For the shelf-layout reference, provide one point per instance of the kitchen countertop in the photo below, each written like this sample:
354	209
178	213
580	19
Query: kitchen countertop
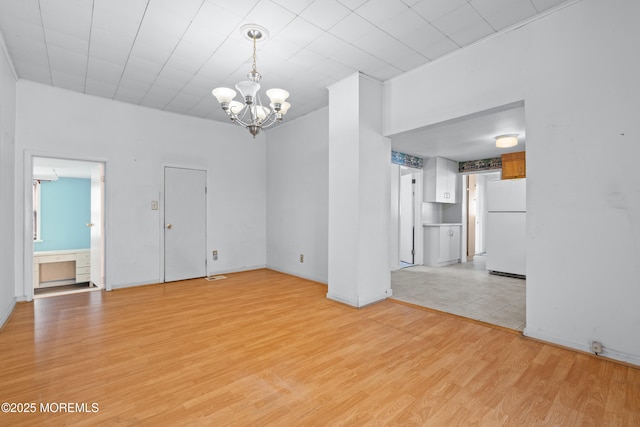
441	224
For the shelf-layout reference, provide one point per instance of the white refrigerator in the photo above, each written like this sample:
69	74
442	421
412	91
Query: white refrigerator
506	226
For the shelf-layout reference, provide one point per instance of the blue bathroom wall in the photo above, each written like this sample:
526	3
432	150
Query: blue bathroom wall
65	210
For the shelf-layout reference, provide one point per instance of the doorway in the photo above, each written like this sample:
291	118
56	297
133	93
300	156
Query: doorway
407	217
68	226
406	228
476	185
467	289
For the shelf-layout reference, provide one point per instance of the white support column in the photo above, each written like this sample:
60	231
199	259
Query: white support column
359	193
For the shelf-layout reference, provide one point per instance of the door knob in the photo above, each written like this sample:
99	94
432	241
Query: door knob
169	226
89	224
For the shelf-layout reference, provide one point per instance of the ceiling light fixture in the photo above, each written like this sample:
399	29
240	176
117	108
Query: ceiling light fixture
251	114
506	141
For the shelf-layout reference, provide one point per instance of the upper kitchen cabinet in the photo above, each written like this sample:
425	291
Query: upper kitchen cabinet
440	176
514	165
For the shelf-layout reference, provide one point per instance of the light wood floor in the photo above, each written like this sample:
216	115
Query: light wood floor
263	348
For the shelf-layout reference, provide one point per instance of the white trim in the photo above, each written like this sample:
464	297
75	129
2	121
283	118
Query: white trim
585	347
7	314
37	186
5	50
357	303
343	300
238	269
136	284
28	249
296	274
159	280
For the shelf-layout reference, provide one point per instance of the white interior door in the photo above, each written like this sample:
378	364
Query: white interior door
97	225
406	218
185	248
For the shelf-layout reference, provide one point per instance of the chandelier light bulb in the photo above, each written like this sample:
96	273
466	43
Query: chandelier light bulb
248	89
277	96
284	108
224	94
261	112
235	107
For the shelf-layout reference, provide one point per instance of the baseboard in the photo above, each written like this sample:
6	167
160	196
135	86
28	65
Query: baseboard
134	284
357	303
4	316
160	280
607	353
341	299
296	274
237	270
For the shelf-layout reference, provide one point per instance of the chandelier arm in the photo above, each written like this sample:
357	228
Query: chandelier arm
269	120
240	121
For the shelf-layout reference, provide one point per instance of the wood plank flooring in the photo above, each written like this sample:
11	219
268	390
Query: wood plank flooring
265	348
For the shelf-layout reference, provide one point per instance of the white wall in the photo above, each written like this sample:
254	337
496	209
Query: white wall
7	149
136	142
297	196
374	196
394	217
576	70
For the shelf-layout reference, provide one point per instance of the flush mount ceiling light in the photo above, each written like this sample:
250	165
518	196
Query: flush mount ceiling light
506	141
251	114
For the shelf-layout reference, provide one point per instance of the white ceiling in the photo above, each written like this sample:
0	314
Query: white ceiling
466	138
170	54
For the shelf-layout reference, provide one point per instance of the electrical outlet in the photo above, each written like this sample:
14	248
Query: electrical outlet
596	347
215	255
301	258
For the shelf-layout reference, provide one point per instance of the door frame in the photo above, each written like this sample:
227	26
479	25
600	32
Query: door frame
402	217
161	217
27	254
418	235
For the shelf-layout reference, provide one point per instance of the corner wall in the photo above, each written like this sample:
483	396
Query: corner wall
136	143
576	70
298	196
7	152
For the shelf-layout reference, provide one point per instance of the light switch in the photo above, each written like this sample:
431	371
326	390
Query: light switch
154	205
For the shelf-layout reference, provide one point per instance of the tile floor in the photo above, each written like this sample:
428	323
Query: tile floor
465	289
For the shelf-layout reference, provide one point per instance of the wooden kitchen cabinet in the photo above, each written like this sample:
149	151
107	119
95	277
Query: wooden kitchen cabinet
440	176
514	165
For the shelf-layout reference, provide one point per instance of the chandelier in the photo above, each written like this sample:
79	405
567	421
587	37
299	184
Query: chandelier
251	114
